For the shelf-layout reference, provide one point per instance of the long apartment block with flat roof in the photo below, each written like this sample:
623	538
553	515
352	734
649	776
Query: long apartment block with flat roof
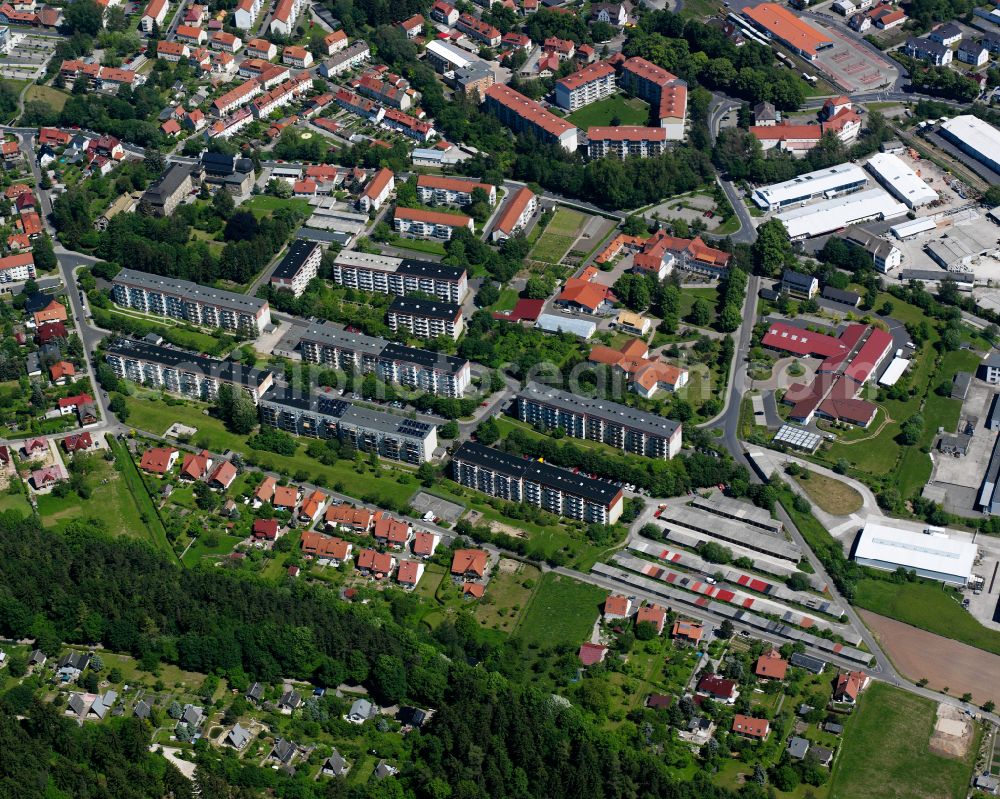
400	276
183	372
611	423
324	415
425	318
515	479
181	299
298	267
393	363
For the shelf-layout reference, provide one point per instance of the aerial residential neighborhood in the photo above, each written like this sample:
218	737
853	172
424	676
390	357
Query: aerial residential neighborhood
527	399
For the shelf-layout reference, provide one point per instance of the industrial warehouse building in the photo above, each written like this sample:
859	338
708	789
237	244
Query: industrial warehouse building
840	212
975	137
901	181
823	184
934	556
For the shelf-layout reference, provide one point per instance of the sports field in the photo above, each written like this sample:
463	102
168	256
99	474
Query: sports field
558	237
886	752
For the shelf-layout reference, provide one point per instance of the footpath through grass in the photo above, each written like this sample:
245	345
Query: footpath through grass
928	606
830	495
563	611
885	753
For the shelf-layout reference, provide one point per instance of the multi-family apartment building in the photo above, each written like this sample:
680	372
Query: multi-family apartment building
425	318
517	479
666	93
246	13
281	95
362	106
200	305
481	31
443	190
17	267
182	372
626	141
262	49
155	13
286	12
234	98
377	191
419	129
421	224
588	85
385	88
298	267
528	116
515	215
433	372
611	423
325	415
385	274
346	59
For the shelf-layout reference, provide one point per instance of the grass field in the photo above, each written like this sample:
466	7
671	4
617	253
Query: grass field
507	597
929	607
150	527
420	245
830	495
558	237
264	205
885	752
155	416
47	94
562	611
688	297
16	502
628	110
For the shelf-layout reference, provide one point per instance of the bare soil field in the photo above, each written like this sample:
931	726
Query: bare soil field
942	662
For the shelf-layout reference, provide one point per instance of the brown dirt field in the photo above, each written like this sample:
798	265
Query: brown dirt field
917	654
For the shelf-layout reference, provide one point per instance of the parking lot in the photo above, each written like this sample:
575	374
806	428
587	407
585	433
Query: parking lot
27	56
852	65
424	503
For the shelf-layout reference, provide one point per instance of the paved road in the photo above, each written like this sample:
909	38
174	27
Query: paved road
747	233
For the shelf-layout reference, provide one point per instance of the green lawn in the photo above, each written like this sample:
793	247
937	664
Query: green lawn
885	752
155	416
16	502
833	496
562	611
628	110
507	598
199	551
420	245
928	606
264	205
688	297
508	299
150	526
47	94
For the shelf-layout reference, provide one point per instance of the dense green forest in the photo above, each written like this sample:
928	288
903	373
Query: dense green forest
494	733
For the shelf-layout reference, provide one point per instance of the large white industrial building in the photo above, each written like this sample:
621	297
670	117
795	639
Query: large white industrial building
840	212
821	184
901	181
934	556
975	137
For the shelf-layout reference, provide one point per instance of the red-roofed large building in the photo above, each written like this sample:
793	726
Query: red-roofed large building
419	129
516	214
14	268
155	12
481	31
528	116
666	93
563	49
413	26
237	97
172	51
286	12
246	13
626	141
849	361
587	85
444	190
326	547
778	23
378	190
646	376
158	460
421	224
